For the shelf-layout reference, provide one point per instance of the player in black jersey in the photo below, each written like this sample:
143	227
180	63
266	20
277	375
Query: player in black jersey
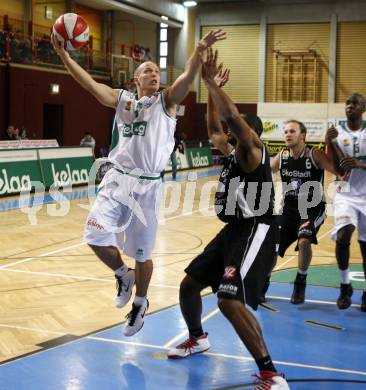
302	173
236	262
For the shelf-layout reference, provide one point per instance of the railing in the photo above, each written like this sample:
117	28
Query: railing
19	47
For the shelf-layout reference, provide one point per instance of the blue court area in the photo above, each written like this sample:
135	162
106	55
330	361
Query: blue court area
328	353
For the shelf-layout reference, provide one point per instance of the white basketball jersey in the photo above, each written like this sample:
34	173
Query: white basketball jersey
143	133
353	144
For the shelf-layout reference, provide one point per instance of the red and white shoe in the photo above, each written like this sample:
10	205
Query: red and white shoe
272	381
189	347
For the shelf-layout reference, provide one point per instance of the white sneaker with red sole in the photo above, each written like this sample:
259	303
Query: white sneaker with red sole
272	381
189	347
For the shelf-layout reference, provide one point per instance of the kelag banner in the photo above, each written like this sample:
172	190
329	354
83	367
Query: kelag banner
17	169
62	166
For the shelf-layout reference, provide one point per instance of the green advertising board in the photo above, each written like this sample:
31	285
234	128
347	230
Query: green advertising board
18	168
66	166
199	157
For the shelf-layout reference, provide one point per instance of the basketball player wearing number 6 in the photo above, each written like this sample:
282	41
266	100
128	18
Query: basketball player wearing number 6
348	143
124	215
302	174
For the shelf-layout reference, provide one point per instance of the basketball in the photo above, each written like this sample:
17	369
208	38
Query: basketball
73	29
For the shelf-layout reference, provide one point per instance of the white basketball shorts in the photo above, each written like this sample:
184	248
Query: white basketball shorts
348	209
125	214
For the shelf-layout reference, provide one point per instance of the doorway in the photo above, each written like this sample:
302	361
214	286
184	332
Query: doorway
53	122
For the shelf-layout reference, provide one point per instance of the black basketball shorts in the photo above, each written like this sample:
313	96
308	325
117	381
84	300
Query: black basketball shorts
292	227
235	264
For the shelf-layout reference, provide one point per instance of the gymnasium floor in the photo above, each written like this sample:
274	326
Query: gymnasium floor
60	330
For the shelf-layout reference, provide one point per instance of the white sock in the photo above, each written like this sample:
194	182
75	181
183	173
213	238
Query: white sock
345	276
121	270
138	301
302	272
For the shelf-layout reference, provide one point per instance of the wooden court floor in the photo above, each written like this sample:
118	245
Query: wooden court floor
52	285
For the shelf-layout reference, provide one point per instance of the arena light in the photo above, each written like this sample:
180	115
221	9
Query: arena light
55	89
189	3
164	17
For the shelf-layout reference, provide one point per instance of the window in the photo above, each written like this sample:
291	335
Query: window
163	47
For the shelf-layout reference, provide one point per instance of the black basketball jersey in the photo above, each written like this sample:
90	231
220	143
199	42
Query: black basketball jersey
243	195
296	172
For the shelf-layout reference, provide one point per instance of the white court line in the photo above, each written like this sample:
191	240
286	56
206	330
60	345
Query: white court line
43	255
79	277
294	256
84	243
152	346
185	333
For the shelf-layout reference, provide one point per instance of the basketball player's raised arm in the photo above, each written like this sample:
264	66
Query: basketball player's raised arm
178	91
227	109
323	161
214	125
103	93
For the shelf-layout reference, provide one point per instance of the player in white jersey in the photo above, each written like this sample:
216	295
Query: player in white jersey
124	215
348	144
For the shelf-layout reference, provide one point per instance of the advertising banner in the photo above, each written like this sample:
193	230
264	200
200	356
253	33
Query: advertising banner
181	162
18	168
66	166
199	157
29	144
275	147
273	129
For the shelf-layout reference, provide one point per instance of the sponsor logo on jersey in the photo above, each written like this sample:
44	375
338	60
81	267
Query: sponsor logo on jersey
346	142
135	128
286	172
296	184
229	273
128	105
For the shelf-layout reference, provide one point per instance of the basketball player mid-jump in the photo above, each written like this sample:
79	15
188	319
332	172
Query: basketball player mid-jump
124	214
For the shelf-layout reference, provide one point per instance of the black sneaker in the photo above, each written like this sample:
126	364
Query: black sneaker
298	295
344	299
363	301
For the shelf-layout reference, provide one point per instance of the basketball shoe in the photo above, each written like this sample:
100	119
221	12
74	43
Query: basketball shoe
344	300
135	319
124	285
298	295
189	347
269	380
